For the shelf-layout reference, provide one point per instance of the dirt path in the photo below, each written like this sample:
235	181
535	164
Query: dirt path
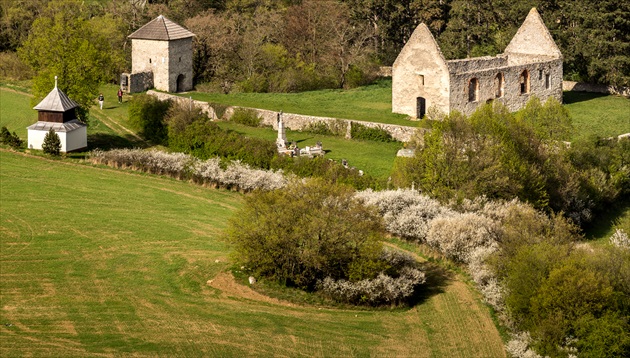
116	126
16	91
225	282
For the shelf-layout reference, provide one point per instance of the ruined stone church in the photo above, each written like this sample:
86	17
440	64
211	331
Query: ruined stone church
531	65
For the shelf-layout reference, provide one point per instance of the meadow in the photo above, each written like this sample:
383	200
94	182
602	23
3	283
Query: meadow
104	262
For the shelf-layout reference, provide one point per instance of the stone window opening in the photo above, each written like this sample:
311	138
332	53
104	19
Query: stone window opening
540	75
524	82
180	59
421	80
149	60
473	90
498	86
547	81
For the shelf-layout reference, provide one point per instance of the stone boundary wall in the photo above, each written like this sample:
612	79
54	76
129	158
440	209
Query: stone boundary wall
595	88
290	120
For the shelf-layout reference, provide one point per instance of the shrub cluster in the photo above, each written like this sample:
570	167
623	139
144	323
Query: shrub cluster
146	114
181	166
377	134
335	250
320	128
10	139
393	287
190	131
502	155
327	169
246	116
528	268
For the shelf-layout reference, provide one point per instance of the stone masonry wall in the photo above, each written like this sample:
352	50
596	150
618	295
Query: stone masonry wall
291	121
180	63
595	88
151	56
512	97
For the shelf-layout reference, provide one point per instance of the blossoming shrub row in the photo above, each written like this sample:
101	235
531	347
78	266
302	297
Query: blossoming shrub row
236	176
392	287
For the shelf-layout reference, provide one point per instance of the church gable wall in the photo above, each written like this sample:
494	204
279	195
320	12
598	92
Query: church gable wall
420	76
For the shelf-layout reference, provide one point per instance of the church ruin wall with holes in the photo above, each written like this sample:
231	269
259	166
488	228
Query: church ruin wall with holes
422	79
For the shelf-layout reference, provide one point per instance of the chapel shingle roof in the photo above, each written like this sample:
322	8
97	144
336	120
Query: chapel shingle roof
56	101
161	28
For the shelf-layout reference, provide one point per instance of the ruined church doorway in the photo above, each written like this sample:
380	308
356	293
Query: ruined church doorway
180	83
421	107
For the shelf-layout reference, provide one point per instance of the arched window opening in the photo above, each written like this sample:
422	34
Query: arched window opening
473	90
498	85
524	81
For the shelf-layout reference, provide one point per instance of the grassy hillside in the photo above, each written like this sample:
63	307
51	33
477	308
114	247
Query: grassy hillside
102	262
16	111
598	114
370	103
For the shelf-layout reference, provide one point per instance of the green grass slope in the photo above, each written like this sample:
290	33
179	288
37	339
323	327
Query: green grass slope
16	111
598	114
100	262
371	103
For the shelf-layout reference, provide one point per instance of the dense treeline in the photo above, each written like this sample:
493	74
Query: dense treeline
296	45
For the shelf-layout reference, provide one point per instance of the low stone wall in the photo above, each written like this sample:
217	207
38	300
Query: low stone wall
204	106
291	120
595	88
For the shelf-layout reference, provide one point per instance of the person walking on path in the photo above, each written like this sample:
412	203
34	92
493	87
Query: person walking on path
120	94
101	99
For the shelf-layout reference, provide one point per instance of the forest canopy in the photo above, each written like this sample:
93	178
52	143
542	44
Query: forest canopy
296	45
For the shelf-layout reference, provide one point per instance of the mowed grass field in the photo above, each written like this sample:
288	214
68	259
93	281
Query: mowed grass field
102	262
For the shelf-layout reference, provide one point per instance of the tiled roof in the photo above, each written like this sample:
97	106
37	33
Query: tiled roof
58	127
56	101
161	28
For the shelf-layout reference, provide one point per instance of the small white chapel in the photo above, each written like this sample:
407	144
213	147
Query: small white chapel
56	111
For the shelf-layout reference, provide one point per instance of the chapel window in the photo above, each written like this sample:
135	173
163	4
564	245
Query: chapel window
498	85
547	81
524	82
421	80
473	90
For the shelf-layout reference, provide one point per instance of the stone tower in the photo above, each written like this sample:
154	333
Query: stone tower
531	65
161	57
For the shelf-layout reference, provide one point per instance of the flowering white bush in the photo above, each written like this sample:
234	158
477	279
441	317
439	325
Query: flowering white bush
379	291
459	235
518	346
183	166
382	290
406	213
620	239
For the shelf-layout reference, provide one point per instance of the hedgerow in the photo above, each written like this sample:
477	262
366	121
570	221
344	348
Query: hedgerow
362	132
236	176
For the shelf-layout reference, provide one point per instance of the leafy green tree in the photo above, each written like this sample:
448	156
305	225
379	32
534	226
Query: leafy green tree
305	233
62	43
52	143
147	113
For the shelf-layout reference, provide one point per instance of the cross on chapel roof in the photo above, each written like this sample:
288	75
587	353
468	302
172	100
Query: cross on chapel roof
161	28
56	101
